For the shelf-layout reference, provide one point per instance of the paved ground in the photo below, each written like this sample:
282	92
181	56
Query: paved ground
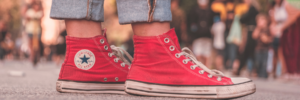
39	84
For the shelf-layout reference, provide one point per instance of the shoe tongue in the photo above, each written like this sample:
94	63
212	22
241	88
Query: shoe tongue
104	32
172	34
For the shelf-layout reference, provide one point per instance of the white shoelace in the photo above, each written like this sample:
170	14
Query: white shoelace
191	57
118	52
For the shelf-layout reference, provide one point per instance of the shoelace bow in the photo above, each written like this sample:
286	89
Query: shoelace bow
117	51
191	57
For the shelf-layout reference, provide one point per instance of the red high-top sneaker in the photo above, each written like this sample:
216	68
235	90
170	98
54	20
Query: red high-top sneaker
160	68
91	66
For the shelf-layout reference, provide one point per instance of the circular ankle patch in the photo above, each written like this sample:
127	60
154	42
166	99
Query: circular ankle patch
84	59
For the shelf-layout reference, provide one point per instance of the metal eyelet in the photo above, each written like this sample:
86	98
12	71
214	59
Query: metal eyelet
116	60
123	64
105	47
105	79
201	71
167	40
210	76
172	48
116	78
219	79
177	55
184	61
102	41
193	68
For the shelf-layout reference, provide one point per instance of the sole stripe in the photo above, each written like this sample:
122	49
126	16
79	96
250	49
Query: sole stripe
188	85
92	89
167	92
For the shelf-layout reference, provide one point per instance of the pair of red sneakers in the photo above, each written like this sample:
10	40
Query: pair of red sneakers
159	68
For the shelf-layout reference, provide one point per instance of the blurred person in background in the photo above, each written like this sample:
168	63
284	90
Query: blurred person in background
285	25
3	32
234	40
178	21
218	30
200	21
33	29
9	46
60	48
278	15
226	10
249	19
263	38
230	13
6	43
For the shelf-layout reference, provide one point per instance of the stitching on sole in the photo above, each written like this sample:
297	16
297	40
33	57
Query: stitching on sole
92	82
167	92
92	89
184	85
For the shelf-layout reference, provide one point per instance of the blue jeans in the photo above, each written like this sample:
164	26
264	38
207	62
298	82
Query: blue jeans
2	53
129	11
261	58
230	55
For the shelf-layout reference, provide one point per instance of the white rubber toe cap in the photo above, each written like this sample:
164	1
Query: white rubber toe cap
239	80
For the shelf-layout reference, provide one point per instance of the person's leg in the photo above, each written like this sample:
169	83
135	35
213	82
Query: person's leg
219	62
264	63
275	62
258	63
91	64
248	52
160	63
226	56
83	28
232	54
150	29
243	59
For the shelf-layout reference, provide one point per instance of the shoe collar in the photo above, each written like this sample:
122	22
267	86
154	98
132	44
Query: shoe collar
170	34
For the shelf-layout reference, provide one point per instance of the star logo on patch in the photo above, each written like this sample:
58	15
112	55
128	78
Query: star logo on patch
84	59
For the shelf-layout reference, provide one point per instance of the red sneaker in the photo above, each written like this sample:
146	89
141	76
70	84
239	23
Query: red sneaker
91	66
160	68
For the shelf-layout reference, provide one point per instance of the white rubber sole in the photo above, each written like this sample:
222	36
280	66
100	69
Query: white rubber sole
205	92
82	87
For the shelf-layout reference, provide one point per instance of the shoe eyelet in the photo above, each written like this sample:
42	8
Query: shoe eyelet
172	48
105	79
116	78
184	61
210	76
116	60
123	64
193	68
105	47
177	55
109	55
102	41
219	79
167	40
201	71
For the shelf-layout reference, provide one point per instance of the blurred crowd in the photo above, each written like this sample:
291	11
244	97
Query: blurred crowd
256	38
231	34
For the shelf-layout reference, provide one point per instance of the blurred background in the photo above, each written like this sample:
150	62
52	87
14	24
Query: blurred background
259	39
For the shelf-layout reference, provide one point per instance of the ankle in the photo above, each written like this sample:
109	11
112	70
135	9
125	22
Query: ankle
83	28
150	29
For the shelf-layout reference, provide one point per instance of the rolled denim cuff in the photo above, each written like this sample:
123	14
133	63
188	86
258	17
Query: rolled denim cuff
134	11
78	9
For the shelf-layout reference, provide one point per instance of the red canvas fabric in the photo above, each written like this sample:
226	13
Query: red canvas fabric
154	62
104	66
